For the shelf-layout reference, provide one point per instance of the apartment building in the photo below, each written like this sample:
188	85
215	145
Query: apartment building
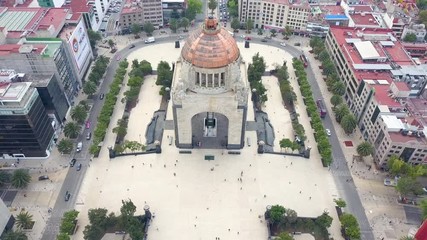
370	62
140	12
26	130
42	59
419	30
269	14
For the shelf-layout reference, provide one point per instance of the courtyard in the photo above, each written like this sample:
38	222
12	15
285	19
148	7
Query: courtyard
196	199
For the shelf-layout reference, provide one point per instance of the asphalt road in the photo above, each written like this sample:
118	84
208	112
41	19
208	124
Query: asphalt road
73	180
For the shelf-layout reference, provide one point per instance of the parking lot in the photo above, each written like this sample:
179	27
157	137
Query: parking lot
111	19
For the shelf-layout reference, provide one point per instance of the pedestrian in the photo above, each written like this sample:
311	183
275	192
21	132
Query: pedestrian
151	165
241	174
225	180
291	163
164	165
228	229
310	198
300	192
174	174
265	196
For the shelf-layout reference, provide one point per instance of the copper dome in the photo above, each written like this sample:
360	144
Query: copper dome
210	47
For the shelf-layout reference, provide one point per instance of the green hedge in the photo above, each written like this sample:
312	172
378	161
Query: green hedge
108	108
320	135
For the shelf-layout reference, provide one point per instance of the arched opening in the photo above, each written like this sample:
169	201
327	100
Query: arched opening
209	130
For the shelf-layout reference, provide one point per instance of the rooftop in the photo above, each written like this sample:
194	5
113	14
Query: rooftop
383	98
362	8
398	137
20	20
364	19
7	49
78	6
295	3
131	6
386	46
417	107
13	92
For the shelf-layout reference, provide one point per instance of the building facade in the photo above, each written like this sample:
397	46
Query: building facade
210	91
268	14
6	218
140	12
419	30
26	130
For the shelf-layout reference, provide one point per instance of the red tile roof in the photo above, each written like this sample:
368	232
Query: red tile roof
367	20
382	96
78	6
362	8
402	86
332	9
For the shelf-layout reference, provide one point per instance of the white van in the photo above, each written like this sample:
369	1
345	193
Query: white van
79	146
150	40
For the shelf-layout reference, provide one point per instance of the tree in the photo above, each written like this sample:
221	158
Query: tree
406	238
423	206
410	37
111	43
212	5
395	165
5	177
164	74
148	28
349	123
341	111
324	220
422	15
65	146
185	22
174	25
365	149
336	100
285	143
14	235
408	185
340	203
63	236
249	25
136	29
193	7
285	236
338	88
89	88
68	222
235	24
121	129
72	130
276	214
233	8
24	220
273	32
287	31
20	178
93	37
79	114
350	225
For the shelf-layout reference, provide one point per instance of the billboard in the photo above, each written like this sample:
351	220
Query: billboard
80	46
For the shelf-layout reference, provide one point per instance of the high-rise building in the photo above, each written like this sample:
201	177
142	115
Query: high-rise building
268	14
140	12
25	128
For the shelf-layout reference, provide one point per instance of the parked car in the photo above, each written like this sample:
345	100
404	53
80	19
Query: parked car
72	162
328	132
88	135
297	44
79	167
118	58
79	146
87	124
101	96
67	196
264	40
44	177
248	38
132	46
391	182
283	44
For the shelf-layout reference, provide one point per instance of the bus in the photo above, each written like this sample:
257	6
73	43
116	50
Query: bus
304	60
321	107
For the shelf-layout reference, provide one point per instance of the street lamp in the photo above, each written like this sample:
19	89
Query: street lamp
167	89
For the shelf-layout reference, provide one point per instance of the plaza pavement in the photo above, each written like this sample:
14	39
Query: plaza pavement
205	199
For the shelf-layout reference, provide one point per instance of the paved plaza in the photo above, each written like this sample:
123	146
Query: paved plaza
205	199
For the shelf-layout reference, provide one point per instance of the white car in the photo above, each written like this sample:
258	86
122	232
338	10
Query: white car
283	44
328	132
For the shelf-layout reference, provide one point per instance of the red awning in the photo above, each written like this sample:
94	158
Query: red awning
422	232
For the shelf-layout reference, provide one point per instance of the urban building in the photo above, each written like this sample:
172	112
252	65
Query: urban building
397	27
140	12
50	3
419	30
170	6
269	14
374	67
80	10
26	130
416	50
6	218
36	58
19	22
210	91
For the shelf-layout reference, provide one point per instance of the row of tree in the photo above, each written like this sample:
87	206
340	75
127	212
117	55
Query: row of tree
95	76
342	113
68	225
100	222
320	135
255	71
164	76
349	223
72	130
108	108
136	79
289	97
